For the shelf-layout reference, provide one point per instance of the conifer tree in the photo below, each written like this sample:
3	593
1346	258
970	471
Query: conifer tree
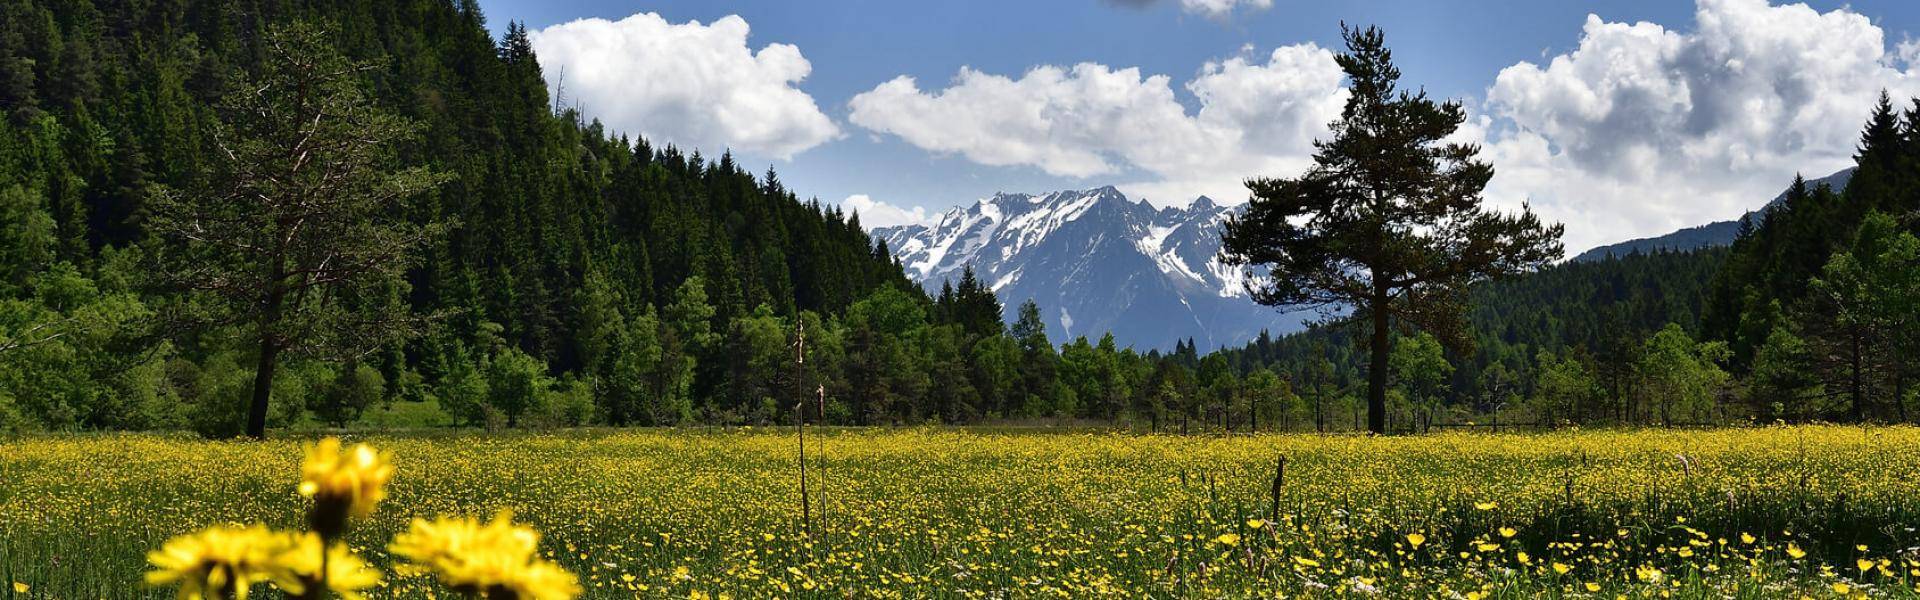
1388	221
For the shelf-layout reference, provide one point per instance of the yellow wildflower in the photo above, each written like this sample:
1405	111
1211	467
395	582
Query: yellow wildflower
1416	539
357	478
1228	539
469	556
219	562
347	574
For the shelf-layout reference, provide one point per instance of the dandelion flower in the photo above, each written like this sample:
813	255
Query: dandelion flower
356	479
219	562
471	557
347	574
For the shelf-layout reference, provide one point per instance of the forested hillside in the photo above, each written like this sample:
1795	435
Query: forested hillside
561	234
1597	313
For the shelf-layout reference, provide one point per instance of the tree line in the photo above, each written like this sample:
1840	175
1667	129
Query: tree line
464	252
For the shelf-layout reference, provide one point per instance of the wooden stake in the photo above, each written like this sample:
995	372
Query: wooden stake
1279	481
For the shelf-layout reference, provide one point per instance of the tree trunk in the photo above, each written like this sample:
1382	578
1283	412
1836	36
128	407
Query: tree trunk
1377	370
1900	392
262	387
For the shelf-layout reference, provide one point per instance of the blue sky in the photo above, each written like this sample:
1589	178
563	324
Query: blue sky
1582	143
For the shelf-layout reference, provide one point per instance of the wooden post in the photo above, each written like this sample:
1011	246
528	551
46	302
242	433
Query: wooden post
800	418
800	422
1279	481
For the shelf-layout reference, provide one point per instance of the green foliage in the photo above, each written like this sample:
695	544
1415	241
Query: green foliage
517	384
354	389
1421	370
1681	378
1566	387
1784	384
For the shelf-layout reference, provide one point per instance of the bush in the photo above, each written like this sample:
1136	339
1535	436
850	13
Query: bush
351	391
569	404
517	384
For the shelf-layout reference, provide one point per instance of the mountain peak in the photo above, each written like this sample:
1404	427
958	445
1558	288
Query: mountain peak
1096	260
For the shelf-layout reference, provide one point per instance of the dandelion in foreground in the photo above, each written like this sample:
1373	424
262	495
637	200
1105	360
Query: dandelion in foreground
346	574
496	560
223	561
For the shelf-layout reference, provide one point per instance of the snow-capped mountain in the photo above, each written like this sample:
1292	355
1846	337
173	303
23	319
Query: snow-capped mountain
1096	261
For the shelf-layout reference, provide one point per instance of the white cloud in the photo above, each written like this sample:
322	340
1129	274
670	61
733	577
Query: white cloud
1255	117
1642	129
1222	9
875	214
688	84
1218	10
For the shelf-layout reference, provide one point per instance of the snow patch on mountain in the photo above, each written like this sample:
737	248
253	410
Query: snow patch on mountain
1098	262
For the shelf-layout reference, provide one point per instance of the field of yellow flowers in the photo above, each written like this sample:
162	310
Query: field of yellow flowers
1819	511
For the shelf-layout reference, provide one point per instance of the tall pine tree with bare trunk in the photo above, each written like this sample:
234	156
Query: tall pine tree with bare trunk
1387	226
299	238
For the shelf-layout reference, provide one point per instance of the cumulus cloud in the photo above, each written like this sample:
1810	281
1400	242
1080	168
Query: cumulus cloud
1255	116
688	84
875	214
1643	129
1222	9
1212	9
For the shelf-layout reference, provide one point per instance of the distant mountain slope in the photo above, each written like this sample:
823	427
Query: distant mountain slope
1096	262
1719	233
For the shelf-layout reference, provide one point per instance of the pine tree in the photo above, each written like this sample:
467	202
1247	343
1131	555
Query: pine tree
1388	220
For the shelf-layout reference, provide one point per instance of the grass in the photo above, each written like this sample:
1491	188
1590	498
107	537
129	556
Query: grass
1825	511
